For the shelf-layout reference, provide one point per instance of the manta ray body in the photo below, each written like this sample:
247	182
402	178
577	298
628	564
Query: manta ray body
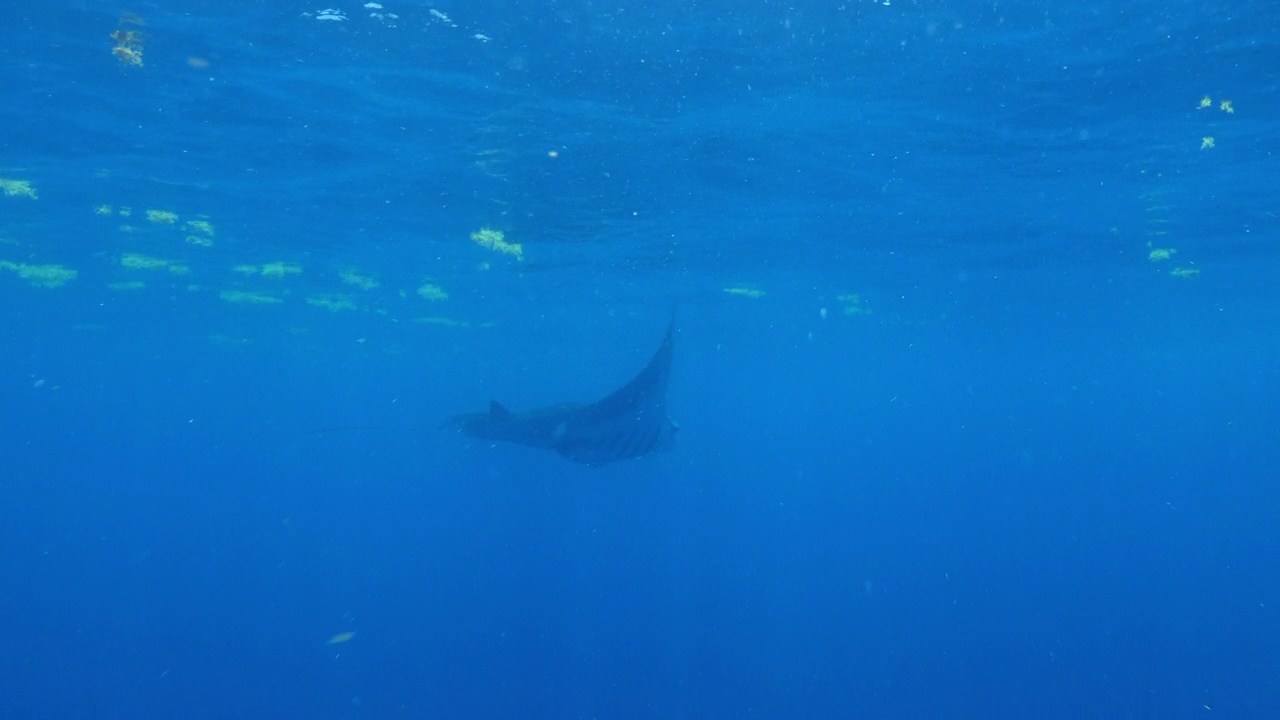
630	422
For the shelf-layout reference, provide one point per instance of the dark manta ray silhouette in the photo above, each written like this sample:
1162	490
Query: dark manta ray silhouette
630	422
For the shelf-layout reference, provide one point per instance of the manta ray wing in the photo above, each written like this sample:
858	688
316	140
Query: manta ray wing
630	422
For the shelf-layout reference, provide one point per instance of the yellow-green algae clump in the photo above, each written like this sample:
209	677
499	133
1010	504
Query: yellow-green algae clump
434	293
364	282
135	261
202	233
443	321
18	188
248	298
162	217
852	305
271	269
45	276
332	303
495	240
280	269
745	292
201	226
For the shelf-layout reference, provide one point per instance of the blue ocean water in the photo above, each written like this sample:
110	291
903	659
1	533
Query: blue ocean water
976	359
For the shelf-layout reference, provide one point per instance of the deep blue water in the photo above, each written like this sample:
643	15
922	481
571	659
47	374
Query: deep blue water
1031	473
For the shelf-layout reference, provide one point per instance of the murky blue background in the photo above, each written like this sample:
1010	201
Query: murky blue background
976	362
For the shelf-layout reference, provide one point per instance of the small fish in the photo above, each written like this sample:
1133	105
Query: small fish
340	638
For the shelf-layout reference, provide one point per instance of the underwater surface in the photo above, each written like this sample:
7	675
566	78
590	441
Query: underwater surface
974	363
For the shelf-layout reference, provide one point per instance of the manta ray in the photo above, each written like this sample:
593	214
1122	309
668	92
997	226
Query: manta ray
628	423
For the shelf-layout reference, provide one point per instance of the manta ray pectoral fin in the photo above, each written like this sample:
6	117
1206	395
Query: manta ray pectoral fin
630	422
497	411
